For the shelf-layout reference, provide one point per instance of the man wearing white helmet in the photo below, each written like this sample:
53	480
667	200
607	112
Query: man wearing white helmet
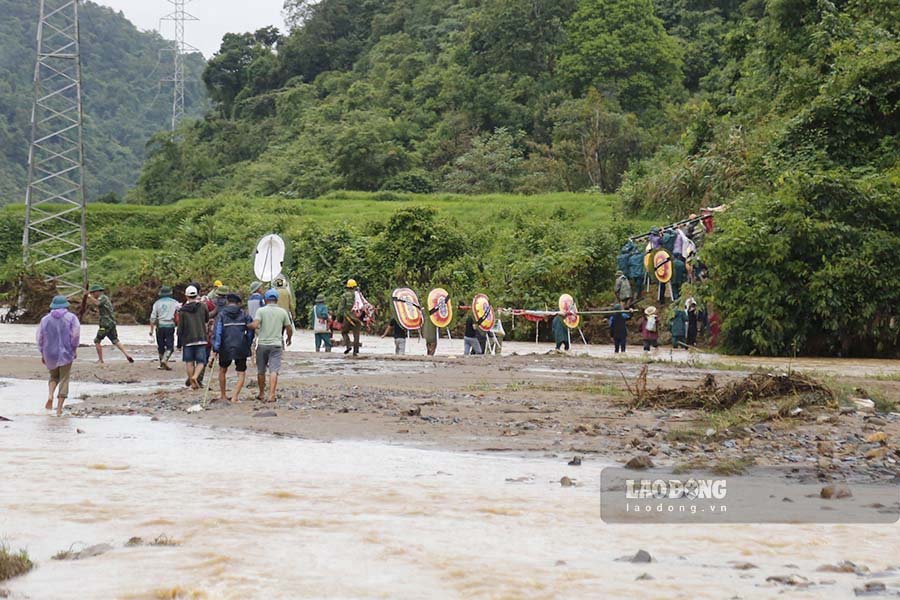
192	336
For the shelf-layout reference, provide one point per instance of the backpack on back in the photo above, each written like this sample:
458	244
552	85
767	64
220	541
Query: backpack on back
651	323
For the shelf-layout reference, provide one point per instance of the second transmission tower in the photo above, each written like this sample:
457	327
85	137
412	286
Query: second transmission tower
180	49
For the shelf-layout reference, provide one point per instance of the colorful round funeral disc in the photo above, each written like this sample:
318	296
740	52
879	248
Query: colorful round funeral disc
662	263
569	309
439	308
483	313
406	308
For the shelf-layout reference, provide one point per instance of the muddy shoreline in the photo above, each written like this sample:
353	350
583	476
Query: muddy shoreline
552	405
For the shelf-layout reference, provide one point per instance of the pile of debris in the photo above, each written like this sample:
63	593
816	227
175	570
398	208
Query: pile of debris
709	396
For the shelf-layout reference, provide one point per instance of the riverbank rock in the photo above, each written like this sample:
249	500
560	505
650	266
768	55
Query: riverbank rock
791	580
641	556
575	462
566	482
835	492
844	567
639	463
265	414
873	588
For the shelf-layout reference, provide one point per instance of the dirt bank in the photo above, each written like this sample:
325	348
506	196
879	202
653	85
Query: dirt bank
556	405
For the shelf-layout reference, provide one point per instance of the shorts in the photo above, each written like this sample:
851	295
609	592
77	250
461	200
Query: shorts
195	354
268	358
240	364
107	332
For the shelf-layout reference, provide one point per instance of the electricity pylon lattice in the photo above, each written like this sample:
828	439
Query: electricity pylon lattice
180	48
54	240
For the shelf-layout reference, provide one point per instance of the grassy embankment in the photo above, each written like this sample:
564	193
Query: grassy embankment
522	249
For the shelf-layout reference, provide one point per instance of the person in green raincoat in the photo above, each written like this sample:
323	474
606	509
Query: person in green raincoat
560	331
679	275
678	327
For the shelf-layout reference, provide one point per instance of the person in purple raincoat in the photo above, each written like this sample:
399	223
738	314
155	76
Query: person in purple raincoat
57	339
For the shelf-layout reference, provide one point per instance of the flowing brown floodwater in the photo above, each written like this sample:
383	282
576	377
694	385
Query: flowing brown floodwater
263	517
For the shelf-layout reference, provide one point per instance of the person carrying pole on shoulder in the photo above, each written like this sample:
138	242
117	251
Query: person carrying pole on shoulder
97	297
162	322
618	328
560	331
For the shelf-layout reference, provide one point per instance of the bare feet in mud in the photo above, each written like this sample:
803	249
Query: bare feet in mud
49	405
195	385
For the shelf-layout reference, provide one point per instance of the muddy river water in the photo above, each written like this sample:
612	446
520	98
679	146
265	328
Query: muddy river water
262	517
258	516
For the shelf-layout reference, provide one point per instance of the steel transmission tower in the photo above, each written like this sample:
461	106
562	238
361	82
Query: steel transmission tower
55	241
179	17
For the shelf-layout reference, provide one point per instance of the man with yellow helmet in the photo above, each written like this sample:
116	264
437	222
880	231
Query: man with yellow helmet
350	320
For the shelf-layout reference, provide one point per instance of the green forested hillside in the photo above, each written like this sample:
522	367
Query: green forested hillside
786	110
124	103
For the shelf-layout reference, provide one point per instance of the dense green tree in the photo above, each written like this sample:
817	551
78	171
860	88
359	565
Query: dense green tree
245	63
621	48
810	269
492	164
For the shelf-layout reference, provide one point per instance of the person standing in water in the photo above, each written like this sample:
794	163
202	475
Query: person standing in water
162	322
57	340
98	298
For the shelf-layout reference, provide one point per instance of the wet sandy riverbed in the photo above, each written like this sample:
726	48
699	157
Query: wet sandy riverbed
375	502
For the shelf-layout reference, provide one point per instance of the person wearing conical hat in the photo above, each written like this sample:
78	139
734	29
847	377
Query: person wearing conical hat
650	329
57	340
97	297
162	323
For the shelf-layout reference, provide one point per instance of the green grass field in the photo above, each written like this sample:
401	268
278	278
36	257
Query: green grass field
525	248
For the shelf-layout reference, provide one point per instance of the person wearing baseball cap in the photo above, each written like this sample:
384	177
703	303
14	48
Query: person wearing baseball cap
192	336
274	331
162	323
